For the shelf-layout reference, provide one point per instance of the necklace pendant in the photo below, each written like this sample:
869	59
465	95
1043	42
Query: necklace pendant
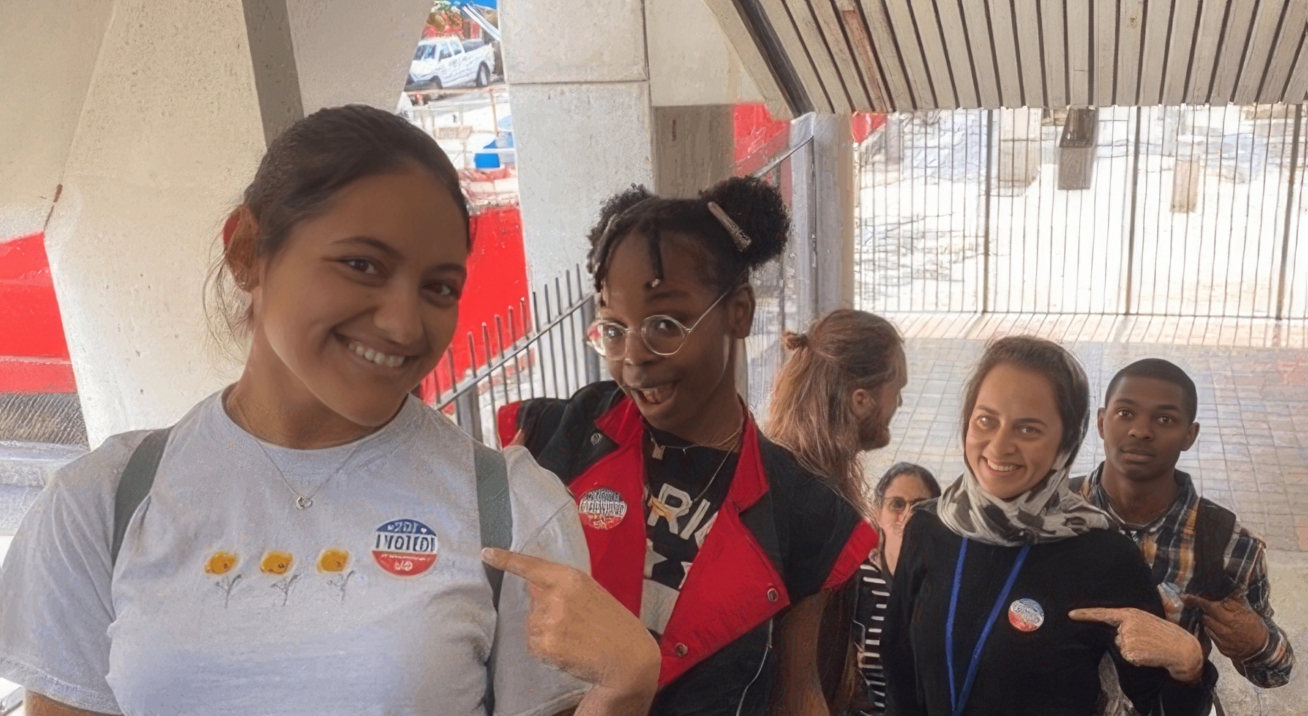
658	451
303	503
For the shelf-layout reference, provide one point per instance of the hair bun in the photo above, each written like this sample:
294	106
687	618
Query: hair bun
794	341
759	210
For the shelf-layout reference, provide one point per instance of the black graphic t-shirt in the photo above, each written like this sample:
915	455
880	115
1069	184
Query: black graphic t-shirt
682	498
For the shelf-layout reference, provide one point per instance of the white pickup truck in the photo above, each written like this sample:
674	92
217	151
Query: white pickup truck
442	62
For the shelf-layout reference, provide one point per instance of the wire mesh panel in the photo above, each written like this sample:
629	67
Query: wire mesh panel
922	212
1169	211
778	286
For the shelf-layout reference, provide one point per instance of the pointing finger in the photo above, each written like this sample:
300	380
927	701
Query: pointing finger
536	571
1200	603
1115	617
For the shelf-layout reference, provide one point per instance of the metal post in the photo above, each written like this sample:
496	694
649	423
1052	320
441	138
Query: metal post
990	171
592	358
1289	208
1135	185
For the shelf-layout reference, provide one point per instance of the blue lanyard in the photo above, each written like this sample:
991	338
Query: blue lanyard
957	701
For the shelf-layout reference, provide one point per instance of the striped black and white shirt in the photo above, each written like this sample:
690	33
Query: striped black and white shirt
869	619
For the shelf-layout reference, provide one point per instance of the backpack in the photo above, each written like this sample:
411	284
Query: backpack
492	505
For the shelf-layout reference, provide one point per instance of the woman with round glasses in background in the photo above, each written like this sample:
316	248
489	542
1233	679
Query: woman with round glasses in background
717	538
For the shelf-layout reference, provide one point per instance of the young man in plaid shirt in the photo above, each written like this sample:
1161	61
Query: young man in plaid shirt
1211	570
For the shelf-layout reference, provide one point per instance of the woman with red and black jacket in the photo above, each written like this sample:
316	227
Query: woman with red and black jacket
717	538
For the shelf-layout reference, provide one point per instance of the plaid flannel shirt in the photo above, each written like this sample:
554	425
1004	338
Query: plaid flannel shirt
1167	544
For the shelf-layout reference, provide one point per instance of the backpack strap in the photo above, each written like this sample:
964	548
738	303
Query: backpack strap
1076	484
1214	527
135	484
496	516
493	508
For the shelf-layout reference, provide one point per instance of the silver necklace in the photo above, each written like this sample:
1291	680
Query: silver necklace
302	502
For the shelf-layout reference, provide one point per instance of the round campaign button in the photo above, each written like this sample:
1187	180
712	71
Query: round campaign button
405	548
1026	615
601	509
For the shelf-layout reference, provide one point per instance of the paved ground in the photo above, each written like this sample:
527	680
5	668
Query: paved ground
1252	452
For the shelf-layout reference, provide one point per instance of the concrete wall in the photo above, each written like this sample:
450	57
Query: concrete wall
169	136
48	51
354	52
690	61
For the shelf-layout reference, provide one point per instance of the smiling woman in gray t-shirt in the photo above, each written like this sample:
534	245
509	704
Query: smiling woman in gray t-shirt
311	542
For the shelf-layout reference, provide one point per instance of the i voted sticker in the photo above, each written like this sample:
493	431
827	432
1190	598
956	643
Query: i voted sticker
405	548
1026	615
601	509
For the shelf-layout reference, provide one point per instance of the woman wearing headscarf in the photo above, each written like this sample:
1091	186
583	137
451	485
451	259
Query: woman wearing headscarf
1010	589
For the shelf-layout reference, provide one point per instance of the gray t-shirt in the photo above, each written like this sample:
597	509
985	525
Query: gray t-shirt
227	599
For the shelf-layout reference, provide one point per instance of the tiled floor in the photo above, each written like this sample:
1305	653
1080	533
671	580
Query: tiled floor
1252	452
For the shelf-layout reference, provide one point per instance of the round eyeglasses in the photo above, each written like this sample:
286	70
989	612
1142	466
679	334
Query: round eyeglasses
663	335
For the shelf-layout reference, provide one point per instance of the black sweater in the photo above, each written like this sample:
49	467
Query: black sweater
1053	670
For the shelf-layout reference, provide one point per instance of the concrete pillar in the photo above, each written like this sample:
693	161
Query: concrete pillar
47	54
1019	149
836	206
582	118
146	120
610	93
693	148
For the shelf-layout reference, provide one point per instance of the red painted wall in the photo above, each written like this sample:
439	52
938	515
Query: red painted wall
33	354
497	282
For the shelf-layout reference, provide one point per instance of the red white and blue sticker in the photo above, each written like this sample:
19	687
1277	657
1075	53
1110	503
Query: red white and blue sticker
601	509
405	548
1026	615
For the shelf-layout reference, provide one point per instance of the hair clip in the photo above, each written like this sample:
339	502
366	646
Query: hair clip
738	236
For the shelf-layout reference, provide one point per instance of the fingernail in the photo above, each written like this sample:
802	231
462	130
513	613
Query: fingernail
486	554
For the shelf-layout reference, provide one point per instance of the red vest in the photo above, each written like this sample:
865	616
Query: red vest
732	586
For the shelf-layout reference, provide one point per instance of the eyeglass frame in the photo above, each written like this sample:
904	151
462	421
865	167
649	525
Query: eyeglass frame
886	503
626	330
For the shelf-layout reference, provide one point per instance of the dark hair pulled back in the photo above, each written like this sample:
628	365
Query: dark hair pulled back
302	172
1057	365
755	206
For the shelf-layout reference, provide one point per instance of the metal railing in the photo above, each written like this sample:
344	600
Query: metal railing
549	360
1153	211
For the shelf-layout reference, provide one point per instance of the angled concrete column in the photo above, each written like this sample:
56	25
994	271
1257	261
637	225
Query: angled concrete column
147	135
170	132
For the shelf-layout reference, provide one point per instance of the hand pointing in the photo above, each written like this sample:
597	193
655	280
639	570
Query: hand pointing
1146	640
577	626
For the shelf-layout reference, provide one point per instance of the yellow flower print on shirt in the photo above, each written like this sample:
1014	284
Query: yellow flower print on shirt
220	563
333	560
275	562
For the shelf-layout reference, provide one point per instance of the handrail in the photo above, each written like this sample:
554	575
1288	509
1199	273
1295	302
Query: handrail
526	342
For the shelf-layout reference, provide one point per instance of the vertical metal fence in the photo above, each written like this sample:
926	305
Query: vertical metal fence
552	358
1157	211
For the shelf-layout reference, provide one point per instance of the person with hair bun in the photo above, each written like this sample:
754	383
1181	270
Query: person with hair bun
1010	588
834	399
311	539
722	541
